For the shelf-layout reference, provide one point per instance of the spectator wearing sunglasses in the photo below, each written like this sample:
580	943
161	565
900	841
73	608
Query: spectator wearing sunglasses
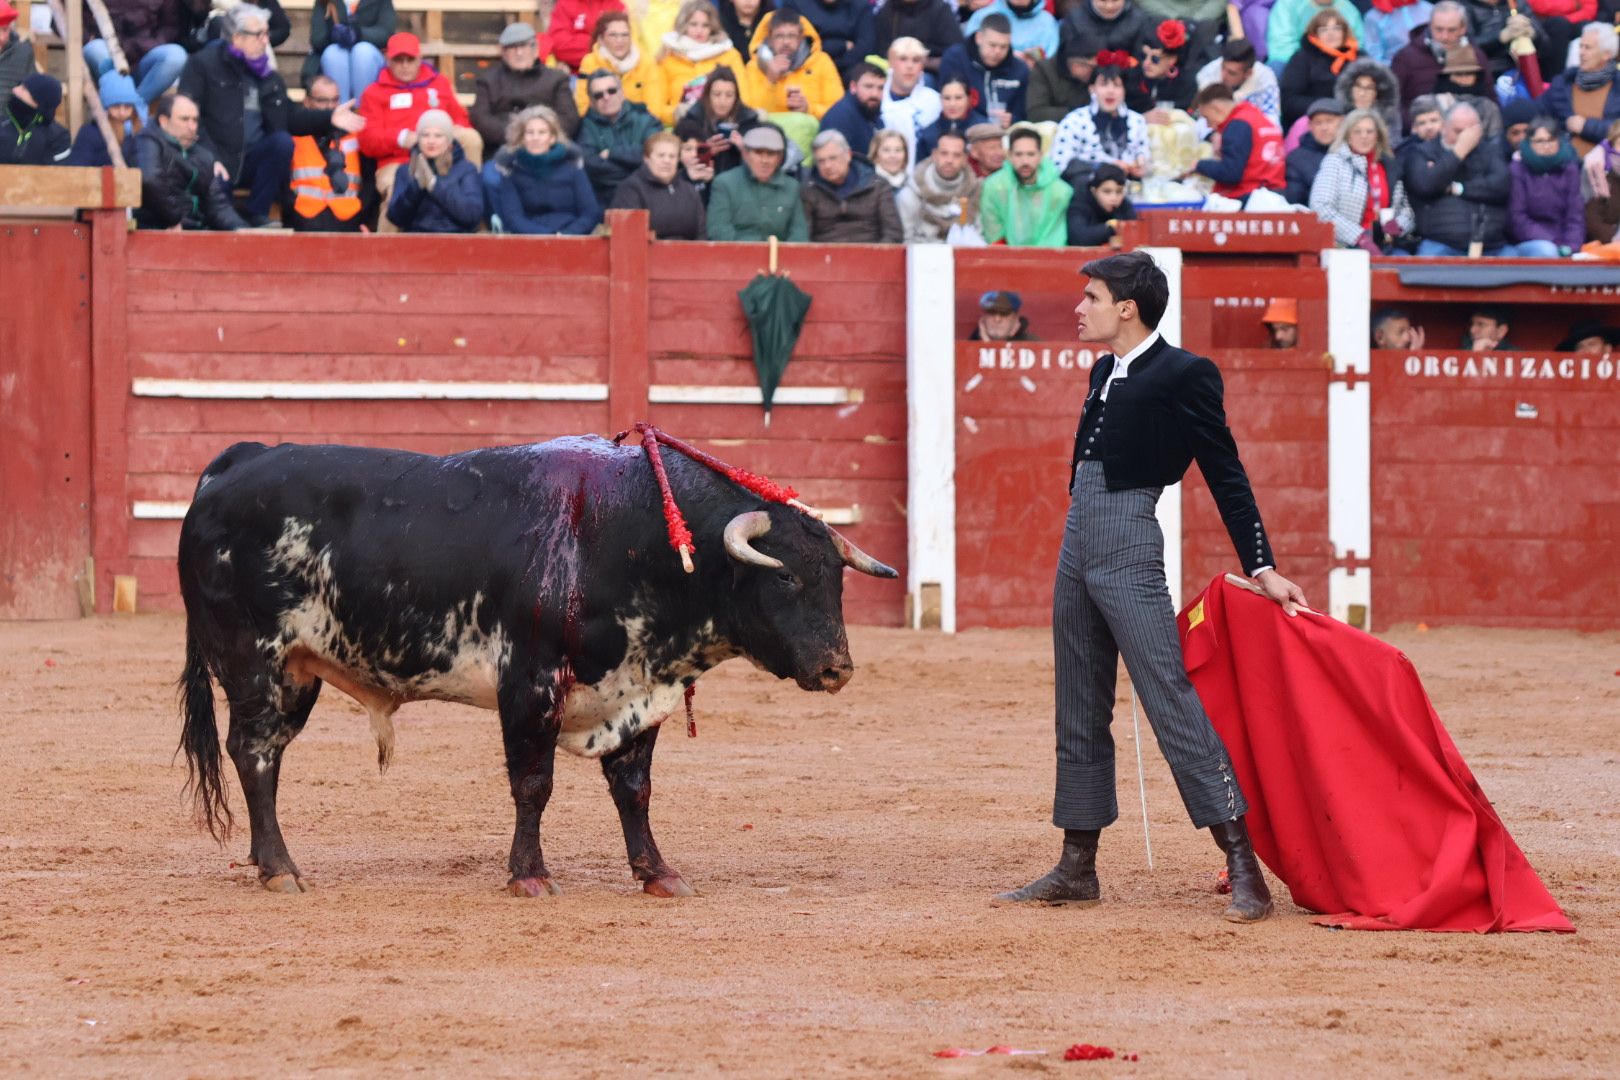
612	135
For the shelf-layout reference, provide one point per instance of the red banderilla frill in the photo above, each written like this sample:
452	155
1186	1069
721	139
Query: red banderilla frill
680	537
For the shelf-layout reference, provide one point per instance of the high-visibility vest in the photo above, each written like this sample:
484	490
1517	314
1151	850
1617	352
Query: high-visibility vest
312	188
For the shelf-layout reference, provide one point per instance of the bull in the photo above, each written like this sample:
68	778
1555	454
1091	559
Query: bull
533	580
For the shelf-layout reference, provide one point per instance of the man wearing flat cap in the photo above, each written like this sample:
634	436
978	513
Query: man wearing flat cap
999	318
757	201
519	80
1305	160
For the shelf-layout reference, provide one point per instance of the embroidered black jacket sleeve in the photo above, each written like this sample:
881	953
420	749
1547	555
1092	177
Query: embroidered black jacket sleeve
1203	415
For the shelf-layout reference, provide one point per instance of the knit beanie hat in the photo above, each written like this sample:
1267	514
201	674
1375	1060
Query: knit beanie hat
116	89
438	120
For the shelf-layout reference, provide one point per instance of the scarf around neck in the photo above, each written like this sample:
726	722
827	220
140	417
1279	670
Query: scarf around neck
260	67
539	166
1540	164
1593	80
695	51
1341	56
631	61
942	199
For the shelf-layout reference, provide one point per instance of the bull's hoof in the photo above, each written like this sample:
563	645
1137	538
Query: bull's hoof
533	886
668	886
285	883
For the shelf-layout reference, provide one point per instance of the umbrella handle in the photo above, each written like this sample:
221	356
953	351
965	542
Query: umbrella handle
773	243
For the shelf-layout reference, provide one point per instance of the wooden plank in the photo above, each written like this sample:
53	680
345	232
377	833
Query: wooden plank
349	257
792	421
438	334
331	390
470	7
28	187
362	366
674	260
879	302
296	420
628	368
109	320
303	291
699	336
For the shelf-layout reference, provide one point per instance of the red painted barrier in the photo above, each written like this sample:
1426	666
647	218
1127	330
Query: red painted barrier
45	461
616	312
1496	488
1494	498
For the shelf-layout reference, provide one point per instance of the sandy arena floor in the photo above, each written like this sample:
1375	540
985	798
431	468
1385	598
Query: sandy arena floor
846	849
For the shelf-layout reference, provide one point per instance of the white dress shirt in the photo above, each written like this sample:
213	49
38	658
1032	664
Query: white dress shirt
1122	364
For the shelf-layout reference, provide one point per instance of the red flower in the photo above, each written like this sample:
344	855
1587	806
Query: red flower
1172	34
1115	58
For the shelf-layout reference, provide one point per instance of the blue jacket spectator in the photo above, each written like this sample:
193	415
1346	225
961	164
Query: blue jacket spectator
986	62
437	192
847	29
858	115
1594	73
957	114
121	100
547	193
1033	27
1387	32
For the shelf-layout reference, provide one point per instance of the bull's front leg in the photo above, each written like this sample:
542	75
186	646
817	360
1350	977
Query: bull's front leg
530	720
629	776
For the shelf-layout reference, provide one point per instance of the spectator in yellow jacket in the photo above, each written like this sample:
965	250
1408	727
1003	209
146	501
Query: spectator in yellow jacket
614	48
652	19
694	48
787	71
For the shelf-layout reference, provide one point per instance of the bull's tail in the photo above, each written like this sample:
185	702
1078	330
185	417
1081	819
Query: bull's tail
199	739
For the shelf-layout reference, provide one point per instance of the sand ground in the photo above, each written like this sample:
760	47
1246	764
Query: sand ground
845	848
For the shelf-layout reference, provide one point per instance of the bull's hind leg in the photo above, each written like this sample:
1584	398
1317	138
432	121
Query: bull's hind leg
259	735
629	776
530	721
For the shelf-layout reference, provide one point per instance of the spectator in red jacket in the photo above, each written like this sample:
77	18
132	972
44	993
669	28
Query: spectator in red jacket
573	25
393	104
1251	145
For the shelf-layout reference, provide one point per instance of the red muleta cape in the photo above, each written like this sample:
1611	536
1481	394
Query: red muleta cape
1358	800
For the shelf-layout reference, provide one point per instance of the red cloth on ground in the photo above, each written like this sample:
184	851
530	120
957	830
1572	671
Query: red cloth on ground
1358	799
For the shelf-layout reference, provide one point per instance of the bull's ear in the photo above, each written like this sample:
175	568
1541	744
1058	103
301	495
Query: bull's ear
856	559
743	528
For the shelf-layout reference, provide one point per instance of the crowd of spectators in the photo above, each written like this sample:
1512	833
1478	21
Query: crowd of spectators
1461	127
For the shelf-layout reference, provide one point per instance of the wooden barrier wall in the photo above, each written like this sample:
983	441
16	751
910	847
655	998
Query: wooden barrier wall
440	344
1496	488
1495	496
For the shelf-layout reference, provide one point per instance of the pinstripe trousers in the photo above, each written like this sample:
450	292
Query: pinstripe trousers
1112	600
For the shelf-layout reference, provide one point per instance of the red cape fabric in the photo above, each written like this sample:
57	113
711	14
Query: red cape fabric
1358	800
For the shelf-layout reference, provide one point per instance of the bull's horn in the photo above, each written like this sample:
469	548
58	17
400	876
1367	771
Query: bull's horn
856	559
743	528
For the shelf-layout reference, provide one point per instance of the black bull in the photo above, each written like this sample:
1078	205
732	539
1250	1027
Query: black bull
535	580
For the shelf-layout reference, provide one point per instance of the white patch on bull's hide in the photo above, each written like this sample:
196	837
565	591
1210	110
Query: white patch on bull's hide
223	555
471	658
600	718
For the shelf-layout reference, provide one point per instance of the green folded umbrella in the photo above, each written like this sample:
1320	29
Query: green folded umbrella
775	308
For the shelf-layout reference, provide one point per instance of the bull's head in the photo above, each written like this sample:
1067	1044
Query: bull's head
789	595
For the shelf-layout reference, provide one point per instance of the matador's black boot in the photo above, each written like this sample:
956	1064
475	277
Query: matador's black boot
1251	900
1073	881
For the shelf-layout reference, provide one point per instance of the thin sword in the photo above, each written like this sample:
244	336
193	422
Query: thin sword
1141	778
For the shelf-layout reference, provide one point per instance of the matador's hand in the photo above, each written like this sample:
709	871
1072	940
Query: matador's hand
1280	589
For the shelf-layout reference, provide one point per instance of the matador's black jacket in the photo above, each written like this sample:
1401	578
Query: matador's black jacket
1157	420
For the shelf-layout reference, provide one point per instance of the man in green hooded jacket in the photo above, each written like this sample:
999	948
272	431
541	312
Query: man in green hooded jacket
1025	203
